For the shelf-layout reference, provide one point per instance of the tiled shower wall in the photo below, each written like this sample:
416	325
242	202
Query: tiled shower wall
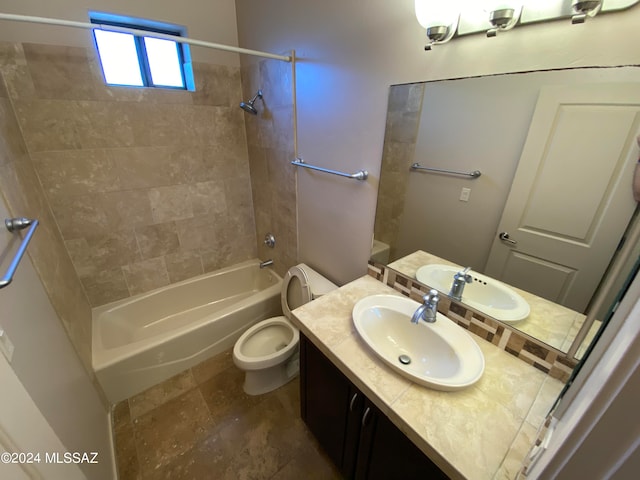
147	186
271	150
21	189
401	134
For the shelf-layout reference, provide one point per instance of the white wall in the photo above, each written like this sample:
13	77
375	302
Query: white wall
349	53
209	20
47	365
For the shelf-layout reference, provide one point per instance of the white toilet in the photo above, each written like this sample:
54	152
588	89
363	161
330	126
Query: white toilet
268	351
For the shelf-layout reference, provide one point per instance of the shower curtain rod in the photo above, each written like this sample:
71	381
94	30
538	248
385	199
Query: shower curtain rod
113	28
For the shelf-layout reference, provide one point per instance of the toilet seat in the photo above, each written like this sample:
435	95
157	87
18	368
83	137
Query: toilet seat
300	285
295	290
248	361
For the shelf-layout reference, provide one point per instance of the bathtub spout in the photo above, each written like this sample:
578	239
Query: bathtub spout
266	263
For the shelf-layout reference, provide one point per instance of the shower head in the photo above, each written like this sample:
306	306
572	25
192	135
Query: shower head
248	106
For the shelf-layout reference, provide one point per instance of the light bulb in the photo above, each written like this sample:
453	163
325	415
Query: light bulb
493	5
437	13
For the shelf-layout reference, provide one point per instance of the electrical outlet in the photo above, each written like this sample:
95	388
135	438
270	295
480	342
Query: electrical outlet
464	194
6	346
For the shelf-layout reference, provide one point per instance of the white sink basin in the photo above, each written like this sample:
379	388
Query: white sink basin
484	294
440	355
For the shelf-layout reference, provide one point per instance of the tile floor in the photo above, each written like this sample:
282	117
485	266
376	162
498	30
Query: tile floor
200	425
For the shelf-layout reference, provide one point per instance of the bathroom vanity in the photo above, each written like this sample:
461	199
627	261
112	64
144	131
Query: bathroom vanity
480	432
360	440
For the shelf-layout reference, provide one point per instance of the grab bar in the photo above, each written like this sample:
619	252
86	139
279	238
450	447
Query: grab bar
359	175
474	174
15	224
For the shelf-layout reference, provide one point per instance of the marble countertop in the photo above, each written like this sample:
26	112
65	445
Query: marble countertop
549	322
482	432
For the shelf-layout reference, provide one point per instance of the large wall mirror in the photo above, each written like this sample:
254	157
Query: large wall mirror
553	205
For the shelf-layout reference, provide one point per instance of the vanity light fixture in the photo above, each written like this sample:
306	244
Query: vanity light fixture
446	19
582	8
440	18
503	15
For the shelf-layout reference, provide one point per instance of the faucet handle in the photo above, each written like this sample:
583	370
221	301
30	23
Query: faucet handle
464	275
432	297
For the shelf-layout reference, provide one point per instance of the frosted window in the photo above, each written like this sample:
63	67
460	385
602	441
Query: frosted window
164	62
119	58
140	59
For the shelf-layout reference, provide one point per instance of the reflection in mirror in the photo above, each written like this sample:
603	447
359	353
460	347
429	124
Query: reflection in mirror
557	151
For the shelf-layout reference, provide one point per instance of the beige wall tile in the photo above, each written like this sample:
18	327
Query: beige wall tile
3	89
127	208
63	125
11	53
217	85
60	72
170	203
238	192
221	253
157	240
103	124
183	265
92	254
105	286
208	197
48	124
226	128
223	161
201	232
406	98
146	275
18	82
145	167
160	124
81	215
76	172
11	145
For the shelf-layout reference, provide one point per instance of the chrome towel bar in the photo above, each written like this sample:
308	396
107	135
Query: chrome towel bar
13	225
474	174
359	175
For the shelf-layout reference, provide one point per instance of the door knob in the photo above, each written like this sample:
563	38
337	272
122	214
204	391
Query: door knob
504	236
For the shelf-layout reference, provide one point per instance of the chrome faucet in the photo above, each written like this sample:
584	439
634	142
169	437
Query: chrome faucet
266	263
460	279
428	310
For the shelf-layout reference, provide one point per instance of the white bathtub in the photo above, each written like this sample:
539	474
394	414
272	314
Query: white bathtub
143	340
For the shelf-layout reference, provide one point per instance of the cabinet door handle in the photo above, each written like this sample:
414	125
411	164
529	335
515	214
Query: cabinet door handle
365	416
353	401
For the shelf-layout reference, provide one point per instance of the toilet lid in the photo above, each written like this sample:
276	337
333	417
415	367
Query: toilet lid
296	290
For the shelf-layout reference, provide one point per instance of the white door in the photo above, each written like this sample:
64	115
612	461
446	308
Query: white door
571	198
29	447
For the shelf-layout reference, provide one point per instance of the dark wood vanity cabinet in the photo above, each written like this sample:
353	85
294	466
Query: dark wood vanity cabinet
362	442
